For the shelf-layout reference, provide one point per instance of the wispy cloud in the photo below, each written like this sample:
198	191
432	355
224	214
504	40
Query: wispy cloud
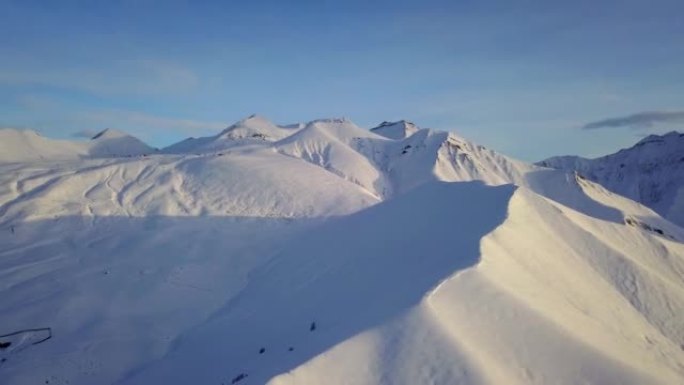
122	77
640	120
147	122
85	121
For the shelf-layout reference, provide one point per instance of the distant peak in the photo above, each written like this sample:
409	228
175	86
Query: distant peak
256	117
654	138
253	120
331	120
109	133
341	124
395	130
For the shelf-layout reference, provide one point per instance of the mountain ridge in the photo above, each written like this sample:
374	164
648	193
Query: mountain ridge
650	172
333	255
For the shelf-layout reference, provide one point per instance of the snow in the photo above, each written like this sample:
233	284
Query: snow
651	172
423	258
112	143
27	145
396	130
255	130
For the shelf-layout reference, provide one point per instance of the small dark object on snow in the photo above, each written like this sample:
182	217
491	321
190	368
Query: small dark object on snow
262	350
3	359
12	228
312	327
239	378
5	345
290	349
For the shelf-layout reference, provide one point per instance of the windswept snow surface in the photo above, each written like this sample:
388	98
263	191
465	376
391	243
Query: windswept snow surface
323	253
651	172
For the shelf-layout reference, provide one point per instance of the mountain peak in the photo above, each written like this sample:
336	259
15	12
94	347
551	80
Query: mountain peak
254	127
110	133
253	121
396	130
331	120
654	138
254	118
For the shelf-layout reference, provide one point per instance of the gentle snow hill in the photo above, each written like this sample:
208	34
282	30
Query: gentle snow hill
421	259
650	172
261	184
27	145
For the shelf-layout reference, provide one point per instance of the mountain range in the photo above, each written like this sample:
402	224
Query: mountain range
651	172
326	253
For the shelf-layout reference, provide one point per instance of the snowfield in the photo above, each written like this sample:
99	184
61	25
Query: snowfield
324	253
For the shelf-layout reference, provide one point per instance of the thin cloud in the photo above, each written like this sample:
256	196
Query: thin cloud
640	120
141	121
123	77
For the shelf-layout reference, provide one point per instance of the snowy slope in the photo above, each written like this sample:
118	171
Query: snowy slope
420	259
650	172
261	184
385	167
486	291
27	145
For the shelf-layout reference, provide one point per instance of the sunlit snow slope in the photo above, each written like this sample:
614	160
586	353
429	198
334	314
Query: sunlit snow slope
323	253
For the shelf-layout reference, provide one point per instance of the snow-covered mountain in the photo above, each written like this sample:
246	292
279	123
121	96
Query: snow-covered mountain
253	129
650	172
327	253
27	145
113	143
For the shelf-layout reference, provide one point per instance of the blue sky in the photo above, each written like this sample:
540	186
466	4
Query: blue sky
523	77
